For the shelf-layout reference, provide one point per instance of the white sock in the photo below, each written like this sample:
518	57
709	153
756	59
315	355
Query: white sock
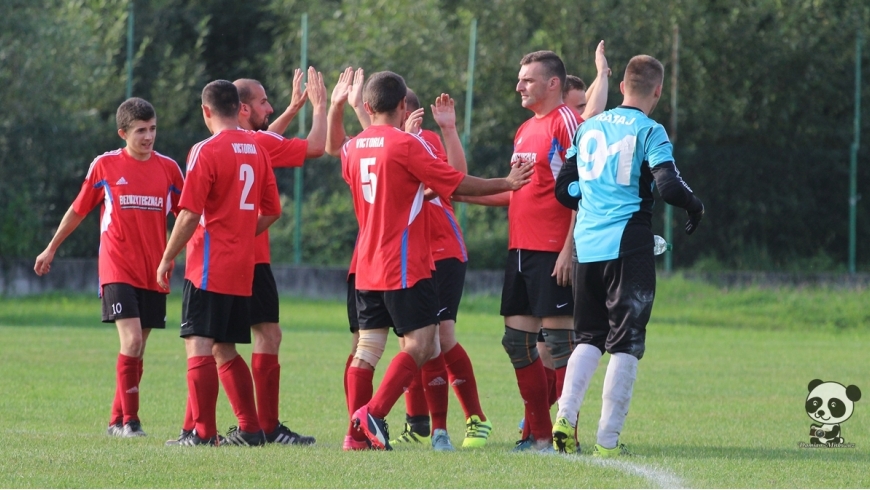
616	397
581	366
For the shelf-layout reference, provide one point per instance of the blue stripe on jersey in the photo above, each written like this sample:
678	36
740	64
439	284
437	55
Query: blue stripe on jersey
205	256
174	189
555	149
456	232
105	185
405	259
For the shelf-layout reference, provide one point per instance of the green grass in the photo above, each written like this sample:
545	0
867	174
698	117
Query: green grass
718	401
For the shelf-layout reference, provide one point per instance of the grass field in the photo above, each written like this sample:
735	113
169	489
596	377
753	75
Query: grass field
718	401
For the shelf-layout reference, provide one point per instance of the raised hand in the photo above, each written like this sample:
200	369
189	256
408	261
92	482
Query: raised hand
299	95
414	121
342	88
316	89
600	60
443	112
355	97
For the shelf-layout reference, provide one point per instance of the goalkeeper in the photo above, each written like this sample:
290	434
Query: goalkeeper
615	160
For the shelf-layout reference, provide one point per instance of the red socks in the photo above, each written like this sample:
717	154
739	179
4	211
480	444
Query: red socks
532	382
434	377
551	385
267	377
125	406
461	377
202	389
359	392
415	398
399	375
239	386
560	382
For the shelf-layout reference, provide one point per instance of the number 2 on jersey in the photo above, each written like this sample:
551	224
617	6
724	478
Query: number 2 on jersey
246	175
368	179
624	149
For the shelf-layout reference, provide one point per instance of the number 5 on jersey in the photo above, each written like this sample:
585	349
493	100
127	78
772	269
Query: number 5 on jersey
368	179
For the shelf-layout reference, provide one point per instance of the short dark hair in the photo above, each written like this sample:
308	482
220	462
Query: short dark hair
244	85
553	66
643	74
134	109
384	91
222	97
573	82
412	102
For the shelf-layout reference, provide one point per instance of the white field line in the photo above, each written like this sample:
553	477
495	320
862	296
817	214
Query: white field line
658	477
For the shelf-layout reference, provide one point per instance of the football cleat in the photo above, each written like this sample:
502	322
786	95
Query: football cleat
476	432
409	436
237	437
115	430
376	430
563	437
530	444
441	441
192	439
351	444
283	435
133	428
602	452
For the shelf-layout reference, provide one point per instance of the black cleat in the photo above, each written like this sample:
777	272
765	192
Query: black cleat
192	439
133	428
238	437
283	435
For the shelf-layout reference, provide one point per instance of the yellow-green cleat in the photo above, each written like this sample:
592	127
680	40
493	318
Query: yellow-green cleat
408	436
476	432
602	452
563	437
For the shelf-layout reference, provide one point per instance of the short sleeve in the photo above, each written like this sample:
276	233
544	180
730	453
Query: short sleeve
657	147
199	180
270	200
90	193
433	172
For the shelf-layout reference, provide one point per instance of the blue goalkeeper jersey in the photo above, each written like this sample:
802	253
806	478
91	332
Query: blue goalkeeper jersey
614	152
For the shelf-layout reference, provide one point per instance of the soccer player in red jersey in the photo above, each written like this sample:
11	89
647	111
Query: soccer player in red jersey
229	197
138	188
427	394
387	170
283	152
537	296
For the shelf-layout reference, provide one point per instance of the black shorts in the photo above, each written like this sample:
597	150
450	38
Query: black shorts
122	301
530	289
264	300
405	310
222	317
449	278
614	300
352	319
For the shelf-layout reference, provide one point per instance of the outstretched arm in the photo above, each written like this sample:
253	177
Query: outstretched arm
70	221
596	95
297	100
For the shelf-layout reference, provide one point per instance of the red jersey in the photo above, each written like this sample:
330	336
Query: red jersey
387	170
445	235
229	182
536	220
283	152
136	197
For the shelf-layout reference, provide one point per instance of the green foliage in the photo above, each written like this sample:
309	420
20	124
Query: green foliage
765	103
